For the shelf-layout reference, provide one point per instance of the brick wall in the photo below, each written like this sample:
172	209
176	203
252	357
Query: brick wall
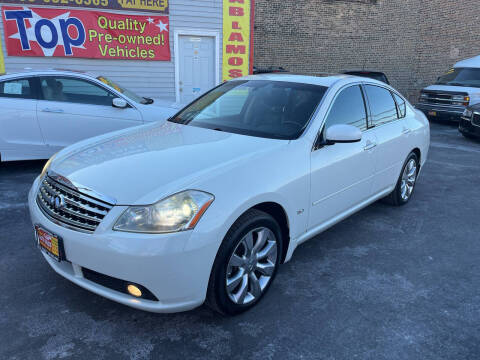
412	41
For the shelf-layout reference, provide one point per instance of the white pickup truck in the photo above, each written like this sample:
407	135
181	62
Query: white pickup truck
459	88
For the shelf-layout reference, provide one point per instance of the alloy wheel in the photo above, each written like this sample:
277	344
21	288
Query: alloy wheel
409	177
251	266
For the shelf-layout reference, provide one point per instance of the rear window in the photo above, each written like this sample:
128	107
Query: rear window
18	88
382	105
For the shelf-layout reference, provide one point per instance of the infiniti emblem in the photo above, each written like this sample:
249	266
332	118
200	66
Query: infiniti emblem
58	202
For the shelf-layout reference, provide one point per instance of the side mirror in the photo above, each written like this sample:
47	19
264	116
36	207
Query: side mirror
119	103
342	133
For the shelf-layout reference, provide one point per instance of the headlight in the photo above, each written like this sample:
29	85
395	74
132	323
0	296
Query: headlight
178	212
423	96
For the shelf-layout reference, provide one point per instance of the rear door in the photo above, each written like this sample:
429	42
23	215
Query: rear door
20	135
391	131
72	109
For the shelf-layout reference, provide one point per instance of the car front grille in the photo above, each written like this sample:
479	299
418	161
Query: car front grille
69	207
476	119
442	98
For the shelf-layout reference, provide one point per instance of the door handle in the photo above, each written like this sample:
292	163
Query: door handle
369	145
405	130
57	111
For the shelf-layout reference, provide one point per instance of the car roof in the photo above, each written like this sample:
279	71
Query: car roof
362	71
35	72
324	79
473	62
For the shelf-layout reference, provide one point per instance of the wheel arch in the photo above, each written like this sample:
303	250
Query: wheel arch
268	205
417	152
277	211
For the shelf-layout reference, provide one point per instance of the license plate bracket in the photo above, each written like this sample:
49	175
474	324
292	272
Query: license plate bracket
49	243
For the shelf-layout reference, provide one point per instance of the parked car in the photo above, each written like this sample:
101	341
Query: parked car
453	92
44	111
469	124
207	205
268	70
372	74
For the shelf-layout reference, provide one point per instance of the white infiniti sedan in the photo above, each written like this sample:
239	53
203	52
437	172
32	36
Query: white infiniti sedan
206	206
44	111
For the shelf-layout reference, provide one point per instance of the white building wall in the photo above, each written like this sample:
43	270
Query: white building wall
147	78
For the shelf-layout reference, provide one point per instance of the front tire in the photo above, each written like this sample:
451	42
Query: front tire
468	136
246	263
405	187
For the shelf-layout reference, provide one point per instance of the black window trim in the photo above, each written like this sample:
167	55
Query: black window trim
398	106
370	117
316	144
86	79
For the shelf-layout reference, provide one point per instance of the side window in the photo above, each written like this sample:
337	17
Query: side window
18	88
348	108
75	91
402	107
382	105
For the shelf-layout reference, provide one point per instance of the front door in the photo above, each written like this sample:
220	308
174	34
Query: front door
342	174
20	135
73	109
196	55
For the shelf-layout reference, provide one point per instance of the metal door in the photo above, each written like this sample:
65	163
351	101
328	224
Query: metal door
196	66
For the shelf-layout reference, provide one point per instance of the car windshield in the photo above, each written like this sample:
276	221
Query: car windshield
461	77
262	108
128	93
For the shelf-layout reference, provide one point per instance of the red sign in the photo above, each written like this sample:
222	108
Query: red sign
86	34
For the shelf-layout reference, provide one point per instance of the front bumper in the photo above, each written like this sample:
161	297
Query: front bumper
174	267
445	113
466	127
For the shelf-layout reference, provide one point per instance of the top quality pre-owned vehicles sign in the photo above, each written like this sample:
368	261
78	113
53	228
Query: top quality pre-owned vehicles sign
158	6
88	34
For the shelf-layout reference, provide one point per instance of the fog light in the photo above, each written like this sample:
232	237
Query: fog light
134	290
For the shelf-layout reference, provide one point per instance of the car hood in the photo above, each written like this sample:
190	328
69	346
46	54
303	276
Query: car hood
167	103
144	164
470	90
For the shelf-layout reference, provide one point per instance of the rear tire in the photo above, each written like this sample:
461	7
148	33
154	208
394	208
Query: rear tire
407	180
246	263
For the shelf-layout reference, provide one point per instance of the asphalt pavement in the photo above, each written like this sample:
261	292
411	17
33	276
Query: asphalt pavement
387	283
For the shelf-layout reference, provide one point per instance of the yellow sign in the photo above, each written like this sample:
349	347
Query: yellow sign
236	38
2	62
149	5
